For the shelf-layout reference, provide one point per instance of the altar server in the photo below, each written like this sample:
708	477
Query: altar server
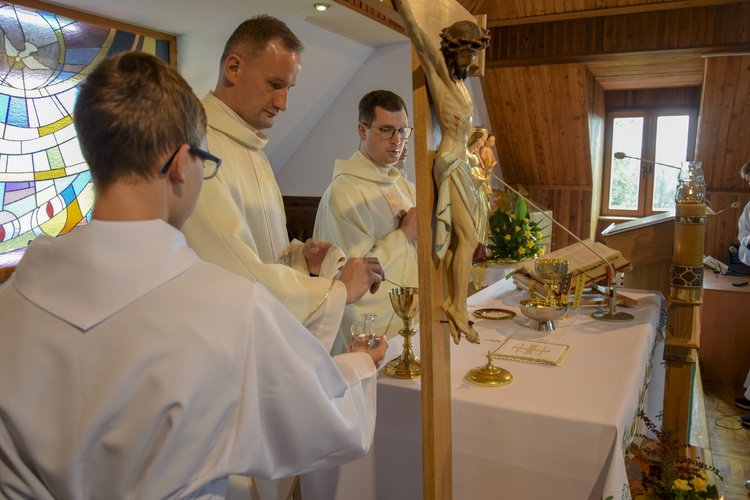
369	210
129	368
239	222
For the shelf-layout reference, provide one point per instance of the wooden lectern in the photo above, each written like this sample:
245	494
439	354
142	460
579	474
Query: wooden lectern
648	244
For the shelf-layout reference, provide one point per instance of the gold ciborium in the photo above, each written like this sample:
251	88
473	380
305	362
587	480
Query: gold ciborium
543	312
405	302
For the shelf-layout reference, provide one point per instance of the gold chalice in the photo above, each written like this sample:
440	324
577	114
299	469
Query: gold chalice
552	271
405	302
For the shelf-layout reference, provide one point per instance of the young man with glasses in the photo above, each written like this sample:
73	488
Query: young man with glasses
240	223
369	210
129	368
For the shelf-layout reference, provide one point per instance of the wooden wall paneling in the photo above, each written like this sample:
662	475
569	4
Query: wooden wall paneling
300	215
722	143
570	206
596	119
721	230
545	138
670	97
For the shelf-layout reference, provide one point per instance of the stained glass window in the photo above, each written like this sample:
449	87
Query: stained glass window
45	185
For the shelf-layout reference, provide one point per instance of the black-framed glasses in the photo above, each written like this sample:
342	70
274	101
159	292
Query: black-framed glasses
211	163
388	132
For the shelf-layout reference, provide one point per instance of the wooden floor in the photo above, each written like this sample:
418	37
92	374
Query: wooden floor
729	440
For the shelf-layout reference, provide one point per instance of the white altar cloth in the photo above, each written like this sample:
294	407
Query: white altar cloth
555	432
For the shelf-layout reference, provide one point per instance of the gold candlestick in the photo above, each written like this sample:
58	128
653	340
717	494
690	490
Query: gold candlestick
489	375
405	302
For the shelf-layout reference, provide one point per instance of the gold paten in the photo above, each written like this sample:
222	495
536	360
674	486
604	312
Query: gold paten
405	301
494	313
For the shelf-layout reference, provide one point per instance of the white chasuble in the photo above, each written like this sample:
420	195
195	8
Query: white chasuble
131	369
359	213
743	235
239	224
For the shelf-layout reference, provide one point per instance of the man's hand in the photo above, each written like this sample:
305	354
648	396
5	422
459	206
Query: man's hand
314	252
361	275
409	223
378	350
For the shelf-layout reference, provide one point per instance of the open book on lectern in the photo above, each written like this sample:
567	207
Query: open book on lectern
581	260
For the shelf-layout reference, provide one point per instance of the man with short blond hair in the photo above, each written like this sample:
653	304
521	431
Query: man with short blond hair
240	222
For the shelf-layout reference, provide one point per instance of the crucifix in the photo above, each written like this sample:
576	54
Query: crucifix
446	41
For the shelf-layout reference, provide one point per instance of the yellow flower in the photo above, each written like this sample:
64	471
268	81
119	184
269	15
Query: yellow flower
699	483
516	229
507	237
681	484
702	474
530	244
541	251
521	251
538	234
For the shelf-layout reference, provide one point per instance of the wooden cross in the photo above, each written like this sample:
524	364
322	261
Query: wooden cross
432	16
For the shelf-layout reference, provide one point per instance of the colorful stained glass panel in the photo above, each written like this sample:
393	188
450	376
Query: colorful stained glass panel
45	185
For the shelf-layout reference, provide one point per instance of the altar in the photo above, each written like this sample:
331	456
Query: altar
555	432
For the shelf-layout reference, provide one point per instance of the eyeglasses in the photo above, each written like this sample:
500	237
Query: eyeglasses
388	132
211	163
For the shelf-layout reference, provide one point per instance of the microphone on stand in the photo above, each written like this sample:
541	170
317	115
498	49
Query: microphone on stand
736	204
612	314
621	156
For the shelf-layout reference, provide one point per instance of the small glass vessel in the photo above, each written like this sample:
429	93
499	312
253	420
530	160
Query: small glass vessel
692	184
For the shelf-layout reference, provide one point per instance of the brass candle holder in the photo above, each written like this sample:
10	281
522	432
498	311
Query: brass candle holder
489	375
405	302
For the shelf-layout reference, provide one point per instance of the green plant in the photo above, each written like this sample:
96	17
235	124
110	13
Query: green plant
666	474
513	235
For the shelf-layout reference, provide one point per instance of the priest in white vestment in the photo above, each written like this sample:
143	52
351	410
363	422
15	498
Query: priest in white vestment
369	210
743	224
129	368
239	222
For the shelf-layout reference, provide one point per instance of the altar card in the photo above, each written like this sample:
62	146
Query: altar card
531	351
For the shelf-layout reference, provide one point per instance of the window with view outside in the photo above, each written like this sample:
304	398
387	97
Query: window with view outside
639	188
671	146
625	180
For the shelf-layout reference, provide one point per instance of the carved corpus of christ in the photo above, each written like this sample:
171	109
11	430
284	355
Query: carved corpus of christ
455	235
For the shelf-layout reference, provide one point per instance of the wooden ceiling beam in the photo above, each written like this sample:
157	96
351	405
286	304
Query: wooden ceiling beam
381	11
608	11
700	30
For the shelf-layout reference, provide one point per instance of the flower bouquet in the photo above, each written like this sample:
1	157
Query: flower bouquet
665	473
513	235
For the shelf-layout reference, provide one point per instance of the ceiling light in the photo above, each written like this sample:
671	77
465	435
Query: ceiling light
322	6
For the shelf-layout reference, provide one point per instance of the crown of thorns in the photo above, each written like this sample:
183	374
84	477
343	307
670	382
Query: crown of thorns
454	42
